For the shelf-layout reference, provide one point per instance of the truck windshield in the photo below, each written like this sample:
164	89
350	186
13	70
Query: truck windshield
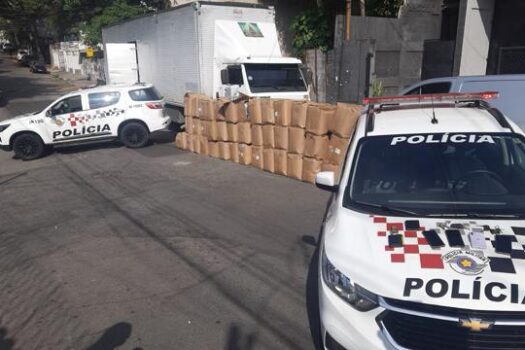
470	175
274	77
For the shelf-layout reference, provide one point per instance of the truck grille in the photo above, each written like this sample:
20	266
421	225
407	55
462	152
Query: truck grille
432	332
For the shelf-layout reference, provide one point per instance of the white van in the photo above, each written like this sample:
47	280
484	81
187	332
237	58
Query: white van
511	90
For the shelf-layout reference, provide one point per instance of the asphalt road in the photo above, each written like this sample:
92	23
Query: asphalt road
104	247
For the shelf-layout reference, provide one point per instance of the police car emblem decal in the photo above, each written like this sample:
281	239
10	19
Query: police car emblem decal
59	121
466	262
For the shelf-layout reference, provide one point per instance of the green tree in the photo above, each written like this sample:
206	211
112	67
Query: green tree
311	30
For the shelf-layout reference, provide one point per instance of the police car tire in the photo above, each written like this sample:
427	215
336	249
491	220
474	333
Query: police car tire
134	135
28	146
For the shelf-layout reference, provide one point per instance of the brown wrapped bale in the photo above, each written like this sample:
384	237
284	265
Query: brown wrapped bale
257	157
196	140
296	140
268	116
268	136
234	151
268	160
281	137
283	112
245	154
222	131
345	119
233	132
319	118
236	111
203	147
257	135
316	146
213	149
220	108
294	165
205	108
245	132
190	104
311	167
210	130
337	149
224	150
190	143
181	140
255	111
188	124
280	162
299	112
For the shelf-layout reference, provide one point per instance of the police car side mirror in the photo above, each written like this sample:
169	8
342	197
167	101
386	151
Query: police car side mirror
49	113
325	180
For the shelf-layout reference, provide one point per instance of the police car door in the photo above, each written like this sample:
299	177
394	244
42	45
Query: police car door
64	119
105	111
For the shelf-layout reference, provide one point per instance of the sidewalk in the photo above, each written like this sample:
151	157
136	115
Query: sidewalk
77	80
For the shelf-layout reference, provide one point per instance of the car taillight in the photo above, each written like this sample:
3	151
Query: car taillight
154	105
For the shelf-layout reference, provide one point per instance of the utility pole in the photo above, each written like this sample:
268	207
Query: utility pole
348	14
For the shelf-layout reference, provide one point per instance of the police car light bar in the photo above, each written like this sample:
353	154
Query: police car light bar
448	97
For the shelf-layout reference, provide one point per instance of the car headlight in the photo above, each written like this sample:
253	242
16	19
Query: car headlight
3	127
358	297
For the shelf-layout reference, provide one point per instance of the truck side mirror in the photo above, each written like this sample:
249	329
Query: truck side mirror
225	77
325	180
307	74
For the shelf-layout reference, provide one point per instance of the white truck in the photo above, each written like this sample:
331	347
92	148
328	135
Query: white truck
217	49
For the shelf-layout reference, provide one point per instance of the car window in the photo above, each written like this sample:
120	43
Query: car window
147	94
414	91
103	99
432	88
68	105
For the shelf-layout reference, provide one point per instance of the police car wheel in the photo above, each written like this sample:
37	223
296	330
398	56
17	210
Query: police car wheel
28	147
134	135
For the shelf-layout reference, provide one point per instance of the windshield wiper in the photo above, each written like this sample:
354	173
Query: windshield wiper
386	208
475	215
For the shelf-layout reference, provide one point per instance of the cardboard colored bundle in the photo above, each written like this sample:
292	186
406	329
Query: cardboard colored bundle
257	135
319	118
181	140
336	149
224	150
280	161
345	119
234	151
245	132
281	137
190	104
233	132
209	129
222	131
299	111
316	146
245	154
294	164
220	108
188	124
332	167
296	140
255	111
205	108
257	157
268	136
196	145
267	116
196	128
268	161
235	111
203	145
283	112
311	167
213	149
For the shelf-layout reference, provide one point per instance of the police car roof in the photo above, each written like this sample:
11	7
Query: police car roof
450	119
104	88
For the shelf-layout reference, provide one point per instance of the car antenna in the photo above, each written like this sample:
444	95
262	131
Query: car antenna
434	119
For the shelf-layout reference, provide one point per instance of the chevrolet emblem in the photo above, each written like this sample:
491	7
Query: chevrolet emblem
475	325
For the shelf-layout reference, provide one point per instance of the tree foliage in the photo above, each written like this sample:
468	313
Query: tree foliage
383	8
311	30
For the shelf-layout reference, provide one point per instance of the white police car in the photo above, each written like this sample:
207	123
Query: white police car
423	245
103	113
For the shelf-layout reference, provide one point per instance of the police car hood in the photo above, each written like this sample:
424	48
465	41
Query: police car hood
18	117
461	277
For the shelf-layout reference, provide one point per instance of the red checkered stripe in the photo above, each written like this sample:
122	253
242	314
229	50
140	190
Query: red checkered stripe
414	244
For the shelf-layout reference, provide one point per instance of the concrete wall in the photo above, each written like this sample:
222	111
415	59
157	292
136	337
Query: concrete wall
473	39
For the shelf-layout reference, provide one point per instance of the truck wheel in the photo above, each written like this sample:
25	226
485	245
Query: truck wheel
28	147
134	135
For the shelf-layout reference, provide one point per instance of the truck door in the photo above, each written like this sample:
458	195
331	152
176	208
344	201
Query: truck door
122	64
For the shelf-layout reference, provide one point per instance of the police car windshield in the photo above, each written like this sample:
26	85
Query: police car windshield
472	175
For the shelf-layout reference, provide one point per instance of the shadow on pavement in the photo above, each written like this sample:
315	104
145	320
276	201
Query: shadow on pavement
5	342
238	341
113	337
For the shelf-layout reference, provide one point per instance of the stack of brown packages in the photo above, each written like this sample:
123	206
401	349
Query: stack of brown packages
292	138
